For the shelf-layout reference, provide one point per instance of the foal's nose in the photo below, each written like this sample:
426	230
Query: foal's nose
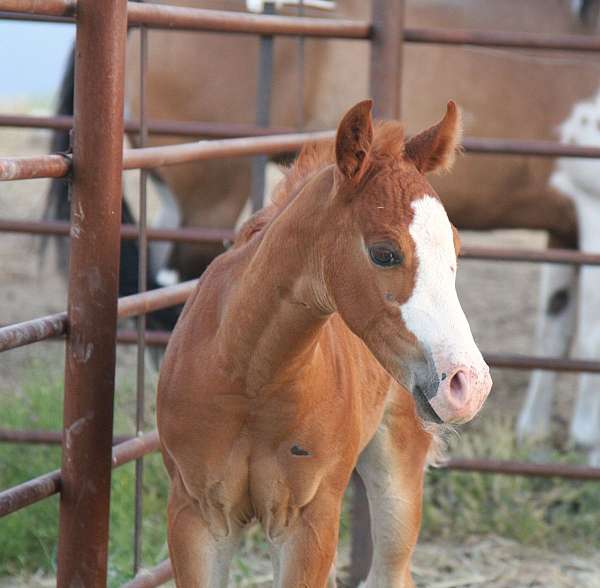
461	394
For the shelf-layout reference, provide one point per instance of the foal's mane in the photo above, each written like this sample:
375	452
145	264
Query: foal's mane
387	147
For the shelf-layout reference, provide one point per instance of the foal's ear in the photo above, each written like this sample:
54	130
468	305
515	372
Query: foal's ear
353	141
435	148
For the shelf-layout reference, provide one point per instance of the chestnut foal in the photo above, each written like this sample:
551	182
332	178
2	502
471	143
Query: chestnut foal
321	341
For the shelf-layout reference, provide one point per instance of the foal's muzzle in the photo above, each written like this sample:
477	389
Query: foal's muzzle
452	396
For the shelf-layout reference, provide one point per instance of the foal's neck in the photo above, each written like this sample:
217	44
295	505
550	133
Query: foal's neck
277	309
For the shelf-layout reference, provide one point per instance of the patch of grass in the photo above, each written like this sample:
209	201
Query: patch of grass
551	512
547	513
28	537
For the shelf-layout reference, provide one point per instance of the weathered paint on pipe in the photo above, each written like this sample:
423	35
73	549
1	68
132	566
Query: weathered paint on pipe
32	168
29	492
25	333
90	355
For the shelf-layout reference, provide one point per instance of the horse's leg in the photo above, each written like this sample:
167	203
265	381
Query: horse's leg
169	217
554	332
200	557
392	468
304	556
585	425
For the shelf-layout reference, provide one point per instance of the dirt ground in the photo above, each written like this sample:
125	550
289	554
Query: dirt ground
500	300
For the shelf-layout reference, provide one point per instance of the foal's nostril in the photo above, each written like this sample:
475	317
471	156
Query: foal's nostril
459	387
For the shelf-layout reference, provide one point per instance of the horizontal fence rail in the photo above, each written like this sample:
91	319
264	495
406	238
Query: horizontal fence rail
181	235
40	329
57	166
155	127
218	130
502	39
218	21
198	19
43	437
523	468
158	16
44	486
207	235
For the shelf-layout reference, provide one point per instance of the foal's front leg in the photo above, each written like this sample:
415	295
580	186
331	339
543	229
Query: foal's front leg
304	556
200	557
392	468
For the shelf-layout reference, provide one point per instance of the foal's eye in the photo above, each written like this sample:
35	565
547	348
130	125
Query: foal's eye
385	256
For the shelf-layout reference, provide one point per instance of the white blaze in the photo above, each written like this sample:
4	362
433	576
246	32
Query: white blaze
433	313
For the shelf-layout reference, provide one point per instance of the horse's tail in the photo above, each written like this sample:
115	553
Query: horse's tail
57	202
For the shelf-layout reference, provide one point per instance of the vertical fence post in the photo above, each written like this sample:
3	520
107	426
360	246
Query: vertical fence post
93	282
387	19
386	57
263	111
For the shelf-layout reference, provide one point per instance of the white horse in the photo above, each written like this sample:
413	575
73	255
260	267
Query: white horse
570	299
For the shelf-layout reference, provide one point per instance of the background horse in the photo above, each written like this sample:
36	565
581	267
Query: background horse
505	93
359	329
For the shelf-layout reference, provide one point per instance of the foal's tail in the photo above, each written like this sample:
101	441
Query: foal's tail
58	207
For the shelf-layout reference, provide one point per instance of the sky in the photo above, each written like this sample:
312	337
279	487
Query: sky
34	55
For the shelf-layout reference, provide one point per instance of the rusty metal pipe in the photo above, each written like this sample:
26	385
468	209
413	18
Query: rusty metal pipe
135	448
23	168
155	299
34	17
153	577
49	484
505	39
563	256
386	46
555	364
90	354
153	338
29	492
31	168
204	235
62	228
527	147
150	157
40	7
520	468
199	19
155	127
40	329
43	437
25	333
